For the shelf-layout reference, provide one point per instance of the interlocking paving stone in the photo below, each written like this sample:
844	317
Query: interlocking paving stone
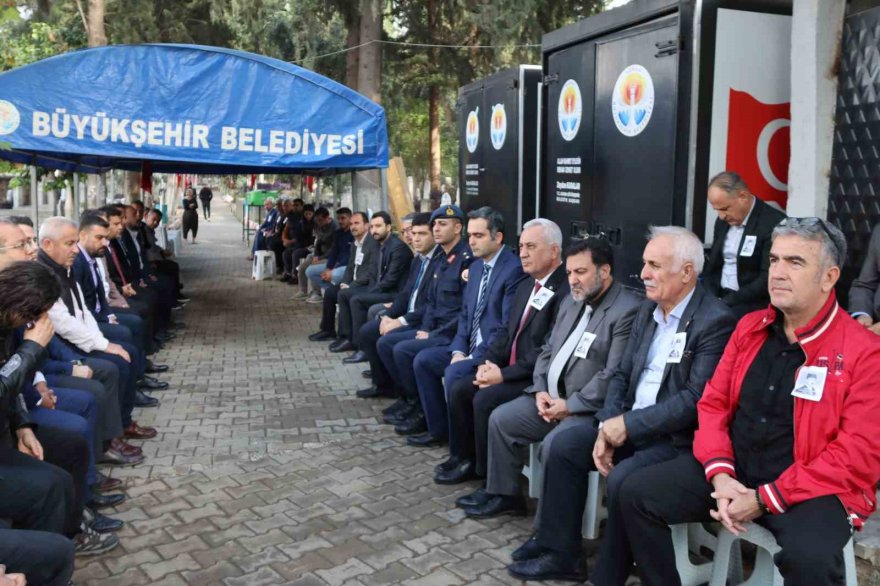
268	470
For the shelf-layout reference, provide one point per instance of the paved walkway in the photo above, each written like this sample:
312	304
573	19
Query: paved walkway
268	470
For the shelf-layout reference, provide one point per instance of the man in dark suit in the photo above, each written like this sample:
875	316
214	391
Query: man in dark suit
485	311
649	415
394	260
864	294
740	256
405	310
360	273
510	359
570	376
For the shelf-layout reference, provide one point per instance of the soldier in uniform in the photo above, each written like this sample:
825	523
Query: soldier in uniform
398	349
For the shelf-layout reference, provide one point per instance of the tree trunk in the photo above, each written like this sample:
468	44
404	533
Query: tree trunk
368	184
351	58
434	135
97	34
370	53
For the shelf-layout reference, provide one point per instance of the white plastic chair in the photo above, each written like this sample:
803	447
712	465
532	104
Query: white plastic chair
594	511
765	572
691	537
264	265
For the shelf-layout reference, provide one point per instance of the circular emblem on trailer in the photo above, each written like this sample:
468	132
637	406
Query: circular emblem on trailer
498	129
472	131
569	109
9	118
633	100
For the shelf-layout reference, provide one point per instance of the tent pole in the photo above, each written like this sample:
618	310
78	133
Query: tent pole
354	193
103	198
76	195
35	202
384	174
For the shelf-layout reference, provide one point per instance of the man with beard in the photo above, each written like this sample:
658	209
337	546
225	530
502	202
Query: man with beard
570	376
649	414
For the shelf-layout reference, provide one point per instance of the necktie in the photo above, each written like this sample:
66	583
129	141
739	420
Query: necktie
97	282
482	301
117	265
557	365
522	323
415	291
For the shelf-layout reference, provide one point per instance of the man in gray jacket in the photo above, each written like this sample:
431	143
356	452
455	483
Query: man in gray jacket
864	295
570	377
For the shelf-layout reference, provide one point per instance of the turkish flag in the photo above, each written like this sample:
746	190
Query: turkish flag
310	183
253	181
759	145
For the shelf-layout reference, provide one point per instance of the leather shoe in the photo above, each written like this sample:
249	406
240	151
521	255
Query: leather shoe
411	410
372	393
151	384
114	458
135	431
321	336
424	440
143	400
106	484
355	358
124	448
343	345
101	523
528	550
414	424
153	368
497	504
396	407
551	565
102	501
466	470
447	464
474	499
367	373
166	336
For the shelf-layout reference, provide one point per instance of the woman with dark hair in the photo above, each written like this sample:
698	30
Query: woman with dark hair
34	495
190	213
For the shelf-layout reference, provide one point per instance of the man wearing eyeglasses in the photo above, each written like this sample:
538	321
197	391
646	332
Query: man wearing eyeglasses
736	270
802	364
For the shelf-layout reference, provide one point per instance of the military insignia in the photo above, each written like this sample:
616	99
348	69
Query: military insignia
450	211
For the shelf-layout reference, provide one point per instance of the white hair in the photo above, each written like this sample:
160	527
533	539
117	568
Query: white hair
552	233
687	247
270	200
51	228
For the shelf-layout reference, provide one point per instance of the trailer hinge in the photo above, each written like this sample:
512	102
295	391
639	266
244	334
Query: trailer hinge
670	47
552	78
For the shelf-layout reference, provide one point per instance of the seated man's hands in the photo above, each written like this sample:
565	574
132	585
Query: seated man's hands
603	455
11	579
81	371
388	324
422	335
47	395
457	357
117	350
488	374
614	430
28	443
735	504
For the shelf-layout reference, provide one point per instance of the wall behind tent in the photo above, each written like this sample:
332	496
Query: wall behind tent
854	198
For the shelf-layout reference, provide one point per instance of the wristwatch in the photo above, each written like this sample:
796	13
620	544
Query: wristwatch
761	504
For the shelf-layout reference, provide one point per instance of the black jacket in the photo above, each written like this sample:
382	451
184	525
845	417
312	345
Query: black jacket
751	271
369	267
400	305
129	274
708	323
18	367
91	294
535	331
394	260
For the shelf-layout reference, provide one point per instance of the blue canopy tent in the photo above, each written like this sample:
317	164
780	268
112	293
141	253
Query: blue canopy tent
186	109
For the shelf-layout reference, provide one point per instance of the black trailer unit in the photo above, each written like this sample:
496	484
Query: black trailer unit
497	121
626	122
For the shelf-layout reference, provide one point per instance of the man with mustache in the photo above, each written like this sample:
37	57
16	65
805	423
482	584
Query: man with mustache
570	375
649	414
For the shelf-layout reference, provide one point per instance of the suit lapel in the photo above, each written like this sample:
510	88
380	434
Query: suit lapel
686	318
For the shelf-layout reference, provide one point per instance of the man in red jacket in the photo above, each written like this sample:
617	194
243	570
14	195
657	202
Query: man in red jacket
789	426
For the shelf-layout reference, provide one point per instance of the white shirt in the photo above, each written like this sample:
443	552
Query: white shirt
535	292
134	236
80	330
730	252
358	246
658	354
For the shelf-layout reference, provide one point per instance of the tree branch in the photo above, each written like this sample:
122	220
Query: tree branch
82	15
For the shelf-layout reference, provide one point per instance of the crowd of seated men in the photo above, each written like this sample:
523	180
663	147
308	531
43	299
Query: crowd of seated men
686	399
83	307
